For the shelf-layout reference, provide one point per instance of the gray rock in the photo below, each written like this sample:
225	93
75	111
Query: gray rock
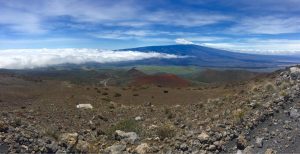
241	142
203	137
69	139
138	118
142	148
116	149
294	113
184	147
270	151
259	142
129	137
212	148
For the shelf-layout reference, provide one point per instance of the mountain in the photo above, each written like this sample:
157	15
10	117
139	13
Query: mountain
211	57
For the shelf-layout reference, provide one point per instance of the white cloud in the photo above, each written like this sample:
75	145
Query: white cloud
261	46
33	58
183	41
268	25
40	16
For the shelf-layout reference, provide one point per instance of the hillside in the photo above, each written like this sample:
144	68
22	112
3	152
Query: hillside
256	115
166	80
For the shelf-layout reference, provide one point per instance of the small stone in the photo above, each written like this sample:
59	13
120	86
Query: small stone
241	142
82	146
259	142
184	147
130	137
248	150
142	148
116	149
3	127
270	151
69	138
294	113
212	148
138	118
203	137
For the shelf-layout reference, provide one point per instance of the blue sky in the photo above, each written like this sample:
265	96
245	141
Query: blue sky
264	26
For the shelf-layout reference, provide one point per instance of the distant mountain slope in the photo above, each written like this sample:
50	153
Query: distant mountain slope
223	76
210	57
167	80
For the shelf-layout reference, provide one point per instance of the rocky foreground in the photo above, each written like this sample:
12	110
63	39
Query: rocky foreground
263	117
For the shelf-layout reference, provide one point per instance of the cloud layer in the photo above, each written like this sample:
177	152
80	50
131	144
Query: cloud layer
33	58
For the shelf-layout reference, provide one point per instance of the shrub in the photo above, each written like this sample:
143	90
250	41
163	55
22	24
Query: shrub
117	95
106	99
269	87
168	113
51	133
239	114
17	122
165	131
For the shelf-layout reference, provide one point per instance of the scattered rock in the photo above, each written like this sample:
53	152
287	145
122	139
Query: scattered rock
241	142
259	142
270	151
116	149
203	137
70	139
142	148
138	118
84	106
82	146
3	127
130	137
294	113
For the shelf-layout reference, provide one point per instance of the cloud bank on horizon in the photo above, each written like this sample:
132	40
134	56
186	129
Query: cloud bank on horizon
267	26
35	58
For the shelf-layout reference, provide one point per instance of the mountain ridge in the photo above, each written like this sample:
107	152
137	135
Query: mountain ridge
211	57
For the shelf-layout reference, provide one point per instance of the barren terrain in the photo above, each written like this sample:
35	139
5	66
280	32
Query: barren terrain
41	115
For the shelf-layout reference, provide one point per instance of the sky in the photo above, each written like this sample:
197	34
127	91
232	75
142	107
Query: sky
262	26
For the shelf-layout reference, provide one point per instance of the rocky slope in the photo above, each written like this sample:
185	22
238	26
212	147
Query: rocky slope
262	116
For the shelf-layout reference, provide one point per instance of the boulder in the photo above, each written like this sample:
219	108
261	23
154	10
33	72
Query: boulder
295	70
270	151
142	148
294	113
259	142
69	139
203	137
138	118
82	146
116	149
129	137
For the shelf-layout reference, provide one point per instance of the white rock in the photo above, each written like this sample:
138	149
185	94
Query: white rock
203	137
294	113
142	148
138	118
259	142
84	106
116	149
295	70
69	138
130	137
